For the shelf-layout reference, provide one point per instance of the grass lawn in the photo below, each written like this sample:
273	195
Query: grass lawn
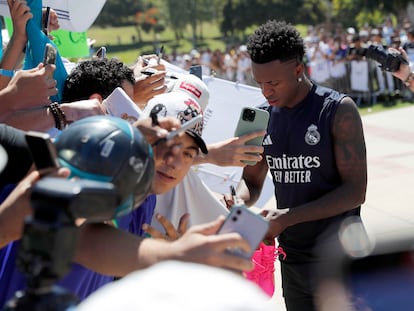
119	41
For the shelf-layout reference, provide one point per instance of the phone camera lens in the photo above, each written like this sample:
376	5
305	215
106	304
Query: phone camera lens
249	115
234	218
238	212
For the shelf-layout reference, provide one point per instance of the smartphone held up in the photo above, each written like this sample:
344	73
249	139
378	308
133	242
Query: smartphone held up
43	152
252	120
49	56
252	227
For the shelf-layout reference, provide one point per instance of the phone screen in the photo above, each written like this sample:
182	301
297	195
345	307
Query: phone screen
49	55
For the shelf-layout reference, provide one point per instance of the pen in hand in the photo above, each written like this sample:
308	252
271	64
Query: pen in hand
234	195
159	54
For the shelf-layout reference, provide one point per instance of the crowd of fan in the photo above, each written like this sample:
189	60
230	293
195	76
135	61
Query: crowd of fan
329	60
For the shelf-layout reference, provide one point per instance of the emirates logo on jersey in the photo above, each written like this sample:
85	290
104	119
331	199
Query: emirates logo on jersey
312	136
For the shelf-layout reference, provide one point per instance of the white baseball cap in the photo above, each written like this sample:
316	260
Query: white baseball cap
181	106
193	86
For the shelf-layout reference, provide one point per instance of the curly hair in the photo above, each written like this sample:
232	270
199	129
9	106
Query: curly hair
275	40
100	76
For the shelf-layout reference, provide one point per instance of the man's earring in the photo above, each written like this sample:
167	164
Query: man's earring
300	79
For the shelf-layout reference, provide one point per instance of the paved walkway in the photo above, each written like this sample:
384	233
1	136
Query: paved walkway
388	212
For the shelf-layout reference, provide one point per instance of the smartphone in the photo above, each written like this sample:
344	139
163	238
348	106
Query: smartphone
252	227
185	126
101	52
46	20
252	120
43	151
197	71
49	56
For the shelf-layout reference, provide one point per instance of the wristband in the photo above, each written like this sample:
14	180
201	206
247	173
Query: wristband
7	73
58	115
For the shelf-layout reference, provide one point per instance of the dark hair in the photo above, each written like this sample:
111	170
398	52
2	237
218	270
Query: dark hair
275	40
100	76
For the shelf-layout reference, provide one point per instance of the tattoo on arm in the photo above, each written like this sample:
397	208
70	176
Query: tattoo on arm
349	141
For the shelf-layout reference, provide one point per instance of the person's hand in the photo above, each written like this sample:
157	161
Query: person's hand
32	88
154	134
171	233
148	86
404	71
53	20
81	109
276	222
233	151
201	244
20	14
17	206
146	61
229	200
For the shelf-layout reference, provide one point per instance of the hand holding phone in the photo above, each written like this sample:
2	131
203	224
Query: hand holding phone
43	152
252	120
49	56
252	227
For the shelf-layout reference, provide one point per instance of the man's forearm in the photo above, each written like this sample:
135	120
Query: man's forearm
108	250
38	119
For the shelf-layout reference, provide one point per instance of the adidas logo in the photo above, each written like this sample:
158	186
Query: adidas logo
267	141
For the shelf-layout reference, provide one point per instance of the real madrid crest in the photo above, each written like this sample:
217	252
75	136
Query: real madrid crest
312	136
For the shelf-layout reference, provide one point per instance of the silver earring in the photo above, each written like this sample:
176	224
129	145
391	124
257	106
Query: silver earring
300	79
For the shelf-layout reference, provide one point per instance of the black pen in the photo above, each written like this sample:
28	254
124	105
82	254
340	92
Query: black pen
234	194
159	54
151	71
184	127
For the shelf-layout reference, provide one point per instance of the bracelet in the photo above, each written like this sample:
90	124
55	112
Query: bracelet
7	73
58	115
410	77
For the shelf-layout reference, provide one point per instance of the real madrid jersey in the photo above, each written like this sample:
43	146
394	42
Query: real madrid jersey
299	152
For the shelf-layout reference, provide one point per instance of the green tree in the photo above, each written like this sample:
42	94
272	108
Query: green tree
189	13
119	13
148	20
227	26
357	13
